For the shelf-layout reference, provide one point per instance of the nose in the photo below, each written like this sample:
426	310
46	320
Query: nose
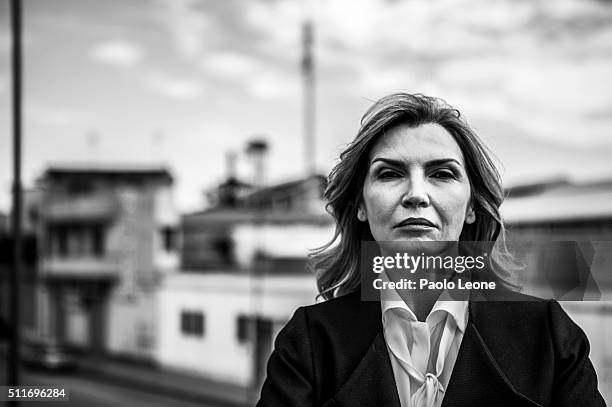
416	195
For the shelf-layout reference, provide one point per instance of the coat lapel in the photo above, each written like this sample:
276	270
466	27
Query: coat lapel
372	382
477	379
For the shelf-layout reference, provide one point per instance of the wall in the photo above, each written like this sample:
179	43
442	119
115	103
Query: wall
131	311
223	298
283	240
164	214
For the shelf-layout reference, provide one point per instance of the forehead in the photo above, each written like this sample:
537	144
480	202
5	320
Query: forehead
422	143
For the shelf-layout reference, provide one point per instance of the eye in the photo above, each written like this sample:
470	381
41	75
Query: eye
388	174
443	174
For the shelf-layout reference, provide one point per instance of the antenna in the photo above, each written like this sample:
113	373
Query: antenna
257	149
230	164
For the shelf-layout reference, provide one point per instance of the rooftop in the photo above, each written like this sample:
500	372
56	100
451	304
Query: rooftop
560	202
106	169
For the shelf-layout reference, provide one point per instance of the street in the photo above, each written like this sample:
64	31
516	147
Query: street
86	392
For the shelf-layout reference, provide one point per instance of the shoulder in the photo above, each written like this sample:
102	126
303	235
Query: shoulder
345	305
345	313
340	325
319	348
535	343
522	324
506	305
510	314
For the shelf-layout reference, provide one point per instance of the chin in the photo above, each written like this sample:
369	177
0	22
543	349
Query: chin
415	245
415	237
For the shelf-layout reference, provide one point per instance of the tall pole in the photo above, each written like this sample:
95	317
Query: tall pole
257	149
13	365
308	99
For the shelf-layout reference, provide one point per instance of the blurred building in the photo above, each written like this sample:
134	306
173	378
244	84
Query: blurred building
107	236
559	213
561	210
243	274
565	227
246	220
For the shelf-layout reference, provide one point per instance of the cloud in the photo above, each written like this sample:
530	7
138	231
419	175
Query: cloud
174	87
188	24
234	41
420	32
55	116
229	65
260	78
284	33
379	79
274	86
119	53
543	65
557	99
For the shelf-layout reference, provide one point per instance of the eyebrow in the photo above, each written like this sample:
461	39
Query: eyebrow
430	163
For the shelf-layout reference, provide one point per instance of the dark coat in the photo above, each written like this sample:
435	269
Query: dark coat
519	353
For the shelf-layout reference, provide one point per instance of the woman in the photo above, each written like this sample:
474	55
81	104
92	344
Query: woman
417	172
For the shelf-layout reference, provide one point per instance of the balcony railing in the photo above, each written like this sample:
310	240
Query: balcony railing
95	207
81	268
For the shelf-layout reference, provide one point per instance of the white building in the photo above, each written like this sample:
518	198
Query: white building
207	321
243	275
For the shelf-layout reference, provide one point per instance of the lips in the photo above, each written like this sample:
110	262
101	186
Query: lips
422	222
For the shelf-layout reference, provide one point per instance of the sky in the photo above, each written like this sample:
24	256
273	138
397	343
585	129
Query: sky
182	82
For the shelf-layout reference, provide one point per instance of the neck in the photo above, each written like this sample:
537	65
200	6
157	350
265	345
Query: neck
421	301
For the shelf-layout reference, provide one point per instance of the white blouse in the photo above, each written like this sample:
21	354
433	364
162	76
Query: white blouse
422	354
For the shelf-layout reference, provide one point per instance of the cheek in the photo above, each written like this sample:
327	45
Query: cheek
379	202
453	205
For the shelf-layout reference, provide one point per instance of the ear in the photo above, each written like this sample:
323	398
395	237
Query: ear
361	213
470	215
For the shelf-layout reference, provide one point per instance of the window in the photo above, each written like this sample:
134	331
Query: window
242	328
76	240
224	248
33	216
62	241
192	323
79	186
169	238
246	326
98	240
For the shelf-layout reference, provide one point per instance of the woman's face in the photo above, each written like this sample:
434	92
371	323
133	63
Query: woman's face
416	187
